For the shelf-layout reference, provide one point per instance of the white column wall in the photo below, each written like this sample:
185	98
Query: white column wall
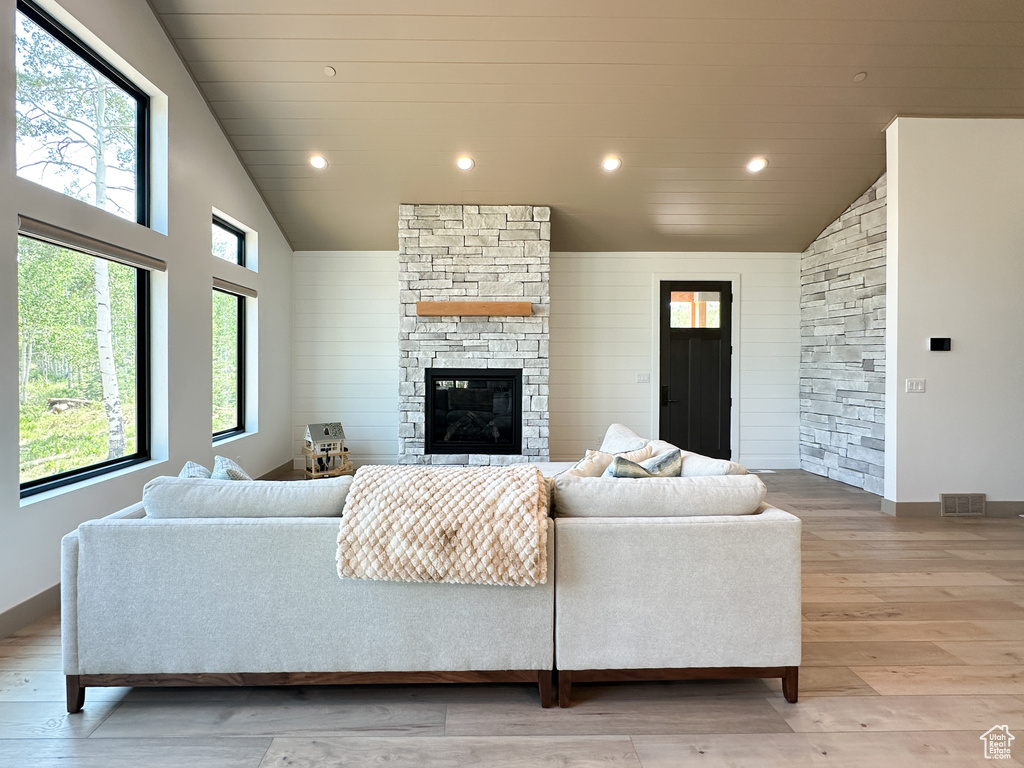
956	269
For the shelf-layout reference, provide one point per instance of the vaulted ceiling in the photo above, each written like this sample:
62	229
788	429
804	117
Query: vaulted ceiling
538	92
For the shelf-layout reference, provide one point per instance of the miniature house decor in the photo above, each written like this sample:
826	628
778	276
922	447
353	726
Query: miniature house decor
325	451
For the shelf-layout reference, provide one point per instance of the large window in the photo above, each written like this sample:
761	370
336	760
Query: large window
81	126
228	363
83	323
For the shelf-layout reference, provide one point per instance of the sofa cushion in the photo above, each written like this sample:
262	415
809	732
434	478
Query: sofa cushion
176	497
596	462
698	465
657	496
226	469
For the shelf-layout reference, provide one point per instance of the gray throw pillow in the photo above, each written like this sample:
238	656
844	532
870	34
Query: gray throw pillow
666	465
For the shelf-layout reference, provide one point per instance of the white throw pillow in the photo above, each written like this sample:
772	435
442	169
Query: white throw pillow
620	439
697	464
225	469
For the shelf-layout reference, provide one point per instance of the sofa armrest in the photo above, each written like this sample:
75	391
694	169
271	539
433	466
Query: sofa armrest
69	602
648	593
69	551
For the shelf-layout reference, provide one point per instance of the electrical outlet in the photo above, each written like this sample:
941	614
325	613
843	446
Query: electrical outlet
643	378
915	385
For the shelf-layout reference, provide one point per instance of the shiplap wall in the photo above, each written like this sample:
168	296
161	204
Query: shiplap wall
603	332
345	349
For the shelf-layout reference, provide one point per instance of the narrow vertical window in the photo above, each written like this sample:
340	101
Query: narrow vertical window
82	127
83	338
228	363
228	242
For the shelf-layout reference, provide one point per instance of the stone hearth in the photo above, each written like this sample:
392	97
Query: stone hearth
473	253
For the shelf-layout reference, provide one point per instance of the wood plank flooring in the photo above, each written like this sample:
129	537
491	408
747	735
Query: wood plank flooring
913	648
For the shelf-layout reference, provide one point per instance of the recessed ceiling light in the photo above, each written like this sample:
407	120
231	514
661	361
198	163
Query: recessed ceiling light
860	77
757	165
465	162
330	71
611	163
318	161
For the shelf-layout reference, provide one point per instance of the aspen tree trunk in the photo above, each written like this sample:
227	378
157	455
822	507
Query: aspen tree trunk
26	370
108	370
104	332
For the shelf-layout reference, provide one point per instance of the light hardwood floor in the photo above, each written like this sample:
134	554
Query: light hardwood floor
913	648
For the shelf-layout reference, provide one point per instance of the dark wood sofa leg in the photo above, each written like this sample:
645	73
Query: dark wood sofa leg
544	685
76	694
790	682
564	687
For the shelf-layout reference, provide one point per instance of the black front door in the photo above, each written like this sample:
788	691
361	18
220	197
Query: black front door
696	366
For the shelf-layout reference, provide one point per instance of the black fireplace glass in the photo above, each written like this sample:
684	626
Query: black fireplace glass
474	410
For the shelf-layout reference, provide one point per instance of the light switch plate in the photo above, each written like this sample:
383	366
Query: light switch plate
915	385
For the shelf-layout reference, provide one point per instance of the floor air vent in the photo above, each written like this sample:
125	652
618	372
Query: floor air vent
963	505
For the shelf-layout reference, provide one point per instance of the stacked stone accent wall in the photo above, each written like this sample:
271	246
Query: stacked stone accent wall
473	253
842	355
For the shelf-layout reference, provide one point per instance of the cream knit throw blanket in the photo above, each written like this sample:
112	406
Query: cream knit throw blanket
467	525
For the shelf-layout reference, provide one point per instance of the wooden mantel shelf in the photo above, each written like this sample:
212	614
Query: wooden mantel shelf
474	308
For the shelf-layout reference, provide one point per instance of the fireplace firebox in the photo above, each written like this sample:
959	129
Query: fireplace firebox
474	410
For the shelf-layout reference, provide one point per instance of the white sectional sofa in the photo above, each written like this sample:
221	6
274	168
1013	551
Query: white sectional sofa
660	577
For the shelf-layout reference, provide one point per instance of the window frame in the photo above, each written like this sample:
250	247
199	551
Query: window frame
240	381
143	376
237	233
73	43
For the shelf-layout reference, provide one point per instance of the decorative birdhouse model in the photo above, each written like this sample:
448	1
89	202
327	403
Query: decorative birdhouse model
325	451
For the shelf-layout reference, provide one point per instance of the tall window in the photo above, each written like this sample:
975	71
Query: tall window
81	126
228	242
228	363
83	323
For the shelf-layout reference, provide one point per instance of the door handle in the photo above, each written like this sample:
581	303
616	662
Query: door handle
664	396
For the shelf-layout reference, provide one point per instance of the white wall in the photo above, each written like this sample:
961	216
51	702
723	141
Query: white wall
603	332
202	173
345	349
955	268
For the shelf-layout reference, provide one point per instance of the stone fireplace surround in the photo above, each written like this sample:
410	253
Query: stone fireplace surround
473	253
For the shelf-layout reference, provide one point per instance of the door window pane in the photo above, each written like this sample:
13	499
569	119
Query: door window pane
695	309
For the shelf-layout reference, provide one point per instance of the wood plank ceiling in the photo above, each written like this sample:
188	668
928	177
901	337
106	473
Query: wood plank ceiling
538	92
